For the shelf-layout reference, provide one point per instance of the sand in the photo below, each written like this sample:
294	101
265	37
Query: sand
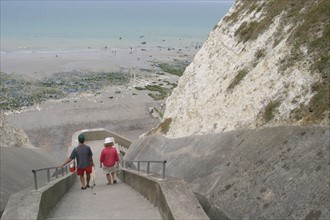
43	63
121	109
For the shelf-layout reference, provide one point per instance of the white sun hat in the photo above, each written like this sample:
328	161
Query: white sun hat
109	140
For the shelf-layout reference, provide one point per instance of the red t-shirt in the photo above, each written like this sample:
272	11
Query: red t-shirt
109	156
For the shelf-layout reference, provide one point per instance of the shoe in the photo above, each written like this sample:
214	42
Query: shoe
82	188
87	186
108	183
115	181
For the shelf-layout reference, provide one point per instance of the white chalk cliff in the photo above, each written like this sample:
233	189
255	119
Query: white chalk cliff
11	136
254	70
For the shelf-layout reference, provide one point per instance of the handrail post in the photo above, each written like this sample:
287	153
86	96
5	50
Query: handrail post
131	165
58	170
164	169
48	176
35	179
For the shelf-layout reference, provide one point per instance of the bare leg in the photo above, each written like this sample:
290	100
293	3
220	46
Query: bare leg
88	178
109	179
113	174
82	180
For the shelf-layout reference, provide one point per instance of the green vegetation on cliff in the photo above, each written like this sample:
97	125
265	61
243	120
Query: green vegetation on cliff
308	37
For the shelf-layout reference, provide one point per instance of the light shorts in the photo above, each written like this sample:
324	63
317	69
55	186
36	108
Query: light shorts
108	170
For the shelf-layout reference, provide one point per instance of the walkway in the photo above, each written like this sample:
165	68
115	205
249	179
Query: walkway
117	201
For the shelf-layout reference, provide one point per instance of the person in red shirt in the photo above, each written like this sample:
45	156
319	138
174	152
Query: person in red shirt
109	158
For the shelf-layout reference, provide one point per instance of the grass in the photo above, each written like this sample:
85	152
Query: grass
248	31
157	96
177	69
317	109
165	125
240	75
247	5
292	13
310	29
159	91
139	88
270	110
319	105
161	94
260	53
314	34
323	65
160	113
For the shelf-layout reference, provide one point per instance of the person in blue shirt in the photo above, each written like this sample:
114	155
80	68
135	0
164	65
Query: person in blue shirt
84	156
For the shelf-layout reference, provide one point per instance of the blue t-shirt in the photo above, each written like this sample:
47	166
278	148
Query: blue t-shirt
83	154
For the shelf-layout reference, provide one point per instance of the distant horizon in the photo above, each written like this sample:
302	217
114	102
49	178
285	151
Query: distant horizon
80	24
122	0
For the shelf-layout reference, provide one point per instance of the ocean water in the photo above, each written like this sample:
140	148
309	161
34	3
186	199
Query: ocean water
65	25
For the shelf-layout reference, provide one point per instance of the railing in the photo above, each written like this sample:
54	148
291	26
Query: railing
125	162
121	149
58	171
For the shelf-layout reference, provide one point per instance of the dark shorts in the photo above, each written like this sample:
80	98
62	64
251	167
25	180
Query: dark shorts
81	171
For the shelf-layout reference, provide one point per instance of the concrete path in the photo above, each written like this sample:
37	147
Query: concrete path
117	201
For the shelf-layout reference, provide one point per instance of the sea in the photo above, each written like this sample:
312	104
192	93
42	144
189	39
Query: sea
73	25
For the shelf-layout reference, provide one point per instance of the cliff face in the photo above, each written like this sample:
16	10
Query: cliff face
266	63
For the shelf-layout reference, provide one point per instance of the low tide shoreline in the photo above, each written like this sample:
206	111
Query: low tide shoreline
38	64
123	109
30	78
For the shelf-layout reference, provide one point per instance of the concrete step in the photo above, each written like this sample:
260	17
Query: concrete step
116	201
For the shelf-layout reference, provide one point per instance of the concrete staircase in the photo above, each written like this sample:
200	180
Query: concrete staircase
116	201
136	195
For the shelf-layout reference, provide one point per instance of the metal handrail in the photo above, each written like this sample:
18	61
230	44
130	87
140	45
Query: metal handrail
148	165
35	177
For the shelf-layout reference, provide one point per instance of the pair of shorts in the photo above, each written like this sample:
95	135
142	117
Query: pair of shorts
107	170
81	171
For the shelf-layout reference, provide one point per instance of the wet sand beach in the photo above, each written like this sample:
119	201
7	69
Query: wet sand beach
38	64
